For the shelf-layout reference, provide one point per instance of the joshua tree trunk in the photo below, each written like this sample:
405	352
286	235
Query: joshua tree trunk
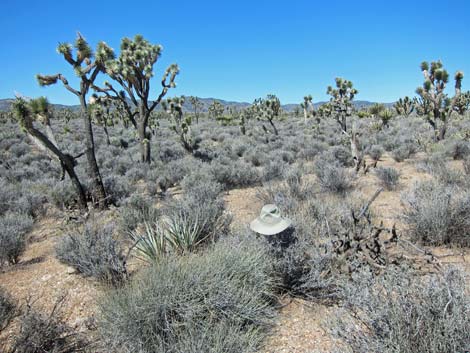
144	136
274	127
66	161
93	170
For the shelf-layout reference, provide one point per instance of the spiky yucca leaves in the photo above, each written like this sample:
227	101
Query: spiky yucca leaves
404	106
150	245
341	101
385	116
376	108
133	71
181	124
268	109
437	106
87	66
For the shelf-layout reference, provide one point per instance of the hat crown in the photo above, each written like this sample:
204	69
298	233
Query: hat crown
270	214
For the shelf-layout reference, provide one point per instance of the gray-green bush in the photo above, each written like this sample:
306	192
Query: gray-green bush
437	214
7	309
13	229
94	252
400	312
389	177
219	299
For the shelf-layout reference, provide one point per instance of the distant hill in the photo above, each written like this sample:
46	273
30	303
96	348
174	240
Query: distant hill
5	105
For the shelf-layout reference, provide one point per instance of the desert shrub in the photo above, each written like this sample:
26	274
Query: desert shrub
7	309
375	152
93	252
311	150
13	229
466	166
117	188
63	195
437	214
233	174
458	149
389	177
220	299
399	312
202	207
333	177
436	165
136	210
401	153
273	170
40	333
342	155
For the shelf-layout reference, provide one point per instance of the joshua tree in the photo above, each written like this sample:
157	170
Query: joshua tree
341	107
38	110
197	106
307	107
133	71
181	125
462	104
87	66
404	107
101	112
268	110
341	101
376	109
432	94
216	110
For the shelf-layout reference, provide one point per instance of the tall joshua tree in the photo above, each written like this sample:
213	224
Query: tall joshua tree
133	71
197	107
341	101
268	109
307	107
216	110
87	66
181	124
440	105
38	110
340	108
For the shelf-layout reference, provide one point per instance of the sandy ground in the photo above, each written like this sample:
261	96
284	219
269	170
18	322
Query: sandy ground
41	278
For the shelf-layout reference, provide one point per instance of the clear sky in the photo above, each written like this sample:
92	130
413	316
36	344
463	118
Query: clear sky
240	50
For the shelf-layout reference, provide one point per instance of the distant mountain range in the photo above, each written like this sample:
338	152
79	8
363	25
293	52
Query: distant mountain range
5	105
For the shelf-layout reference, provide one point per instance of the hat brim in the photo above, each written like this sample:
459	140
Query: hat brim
269	229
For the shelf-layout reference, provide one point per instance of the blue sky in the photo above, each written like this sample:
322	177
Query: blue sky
241	50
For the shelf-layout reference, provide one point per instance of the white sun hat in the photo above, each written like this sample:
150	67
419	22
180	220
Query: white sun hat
270	221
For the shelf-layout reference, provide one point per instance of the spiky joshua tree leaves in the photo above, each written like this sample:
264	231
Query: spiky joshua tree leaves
133	71
87	66
38	110
437	106
341	101
216	110
268	109
404	107
340	107
307	107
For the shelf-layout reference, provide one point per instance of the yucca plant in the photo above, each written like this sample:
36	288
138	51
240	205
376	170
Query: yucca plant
151	244
183	233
